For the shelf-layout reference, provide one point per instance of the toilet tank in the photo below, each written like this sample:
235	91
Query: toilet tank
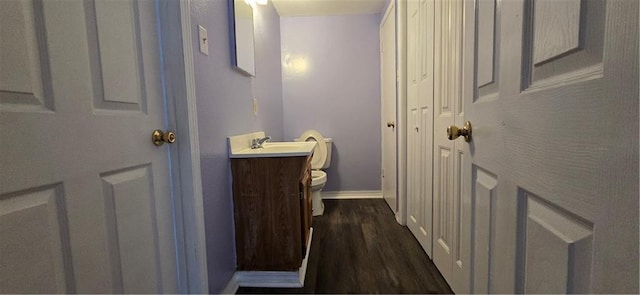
329	143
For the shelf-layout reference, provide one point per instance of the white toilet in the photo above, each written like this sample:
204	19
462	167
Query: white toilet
321	160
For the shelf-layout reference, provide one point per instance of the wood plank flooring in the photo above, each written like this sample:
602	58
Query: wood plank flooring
358	247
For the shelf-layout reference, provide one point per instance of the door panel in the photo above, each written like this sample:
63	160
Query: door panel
553	211
131	227
116	56
556	29
484	199
488	32
28	86
556	249
486	44
85	196
442	209
40	216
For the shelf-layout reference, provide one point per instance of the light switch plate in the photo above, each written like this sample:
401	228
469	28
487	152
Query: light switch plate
255	106
204	40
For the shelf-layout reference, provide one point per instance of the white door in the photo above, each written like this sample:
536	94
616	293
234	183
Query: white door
420	42
451	232
388	73
551	91
85	197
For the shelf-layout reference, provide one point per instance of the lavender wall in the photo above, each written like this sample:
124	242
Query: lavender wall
331	83
224	102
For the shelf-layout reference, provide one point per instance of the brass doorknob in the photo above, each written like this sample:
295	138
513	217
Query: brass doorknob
159	137
454	132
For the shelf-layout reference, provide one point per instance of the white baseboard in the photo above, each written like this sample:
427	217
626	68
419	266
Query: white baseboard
352	195
232	286
275	279
399	218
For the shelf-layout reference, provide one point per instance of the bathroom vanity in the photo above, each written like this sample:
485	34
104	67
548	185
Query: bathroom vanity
272	207
272	210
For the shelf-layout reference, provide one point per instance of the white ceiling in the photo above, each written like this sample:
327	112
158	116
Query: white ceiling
287	8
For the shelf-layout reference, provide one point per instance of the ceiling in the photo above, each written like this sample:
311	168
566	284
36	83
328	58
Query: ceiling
287	8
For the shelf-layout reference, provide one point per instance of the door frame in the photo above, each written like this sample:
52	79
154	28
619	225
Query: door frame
401	105
174	19
401	111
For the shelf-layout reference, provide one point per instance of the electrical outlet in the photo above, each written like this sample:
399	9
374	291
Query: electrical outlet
255	106
204	40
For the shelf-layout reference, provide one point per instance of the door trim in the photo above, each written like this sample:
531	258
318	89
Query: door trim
401	111
177	53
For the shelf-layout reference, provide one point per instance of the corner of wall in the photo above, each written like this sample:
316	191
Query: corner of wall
224	107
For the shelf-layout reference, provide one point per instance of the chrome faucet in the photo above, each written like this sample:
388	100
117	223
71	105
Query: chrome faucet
256	143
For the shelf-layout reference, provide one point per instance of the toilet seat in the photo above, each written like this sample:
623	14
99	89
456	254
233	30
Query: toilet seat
320	151
318	177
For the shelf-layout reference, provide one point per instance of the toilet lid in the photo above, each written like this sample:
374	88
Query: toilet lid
320	151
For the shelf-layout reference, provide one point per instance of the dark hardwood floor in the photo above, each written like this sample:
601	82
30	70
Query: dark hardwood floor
358	247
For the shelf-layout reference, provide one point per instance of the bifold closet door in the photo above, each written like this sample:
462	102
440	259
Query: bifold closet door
420	42
451	214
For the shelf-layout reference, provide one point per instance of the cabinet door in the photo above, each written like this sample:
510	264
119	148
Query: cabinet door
267	210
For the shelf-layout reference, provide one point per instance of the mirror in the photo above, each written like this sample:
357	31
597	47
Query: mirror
241	27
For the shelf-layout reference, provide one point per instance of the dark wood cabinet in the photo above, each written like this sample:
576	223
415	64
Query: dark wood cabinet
272	210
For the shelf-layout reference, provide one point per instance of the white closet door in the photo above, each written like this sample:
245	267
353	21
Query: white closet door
420	42
451	228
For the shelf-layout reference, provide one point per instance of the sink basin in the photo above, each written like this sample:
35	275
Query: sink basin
277	149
